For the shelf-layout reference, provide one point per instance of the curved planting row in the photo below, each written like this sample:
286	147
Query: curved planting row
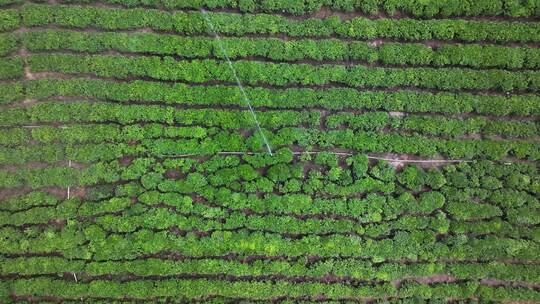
373	142
283	74
291	98
76	115
239	25
415	8
326	50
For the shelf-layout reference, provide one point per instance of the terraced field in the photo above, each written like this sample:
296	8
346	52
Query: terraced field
376	151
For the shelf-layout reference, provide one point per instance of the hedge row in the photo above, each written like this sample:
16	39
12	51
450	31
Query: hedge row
195	289
95	243
128	114
52	153
362	220
283	178
380	222
209	221
416	8
373	142
477	180
305	138
356	210
284	74
60	176
236	24
333	99
359	210
98	133
419	145
495	226
432	125
126	120
205	220
338	181
477	56
361	270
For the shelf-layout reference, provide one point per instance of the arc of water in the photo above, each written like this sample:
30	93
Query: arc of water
244	95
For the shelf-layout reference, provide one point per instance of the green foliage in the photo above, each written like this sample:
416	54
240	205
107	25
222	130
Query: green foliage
9	19
360	27
412	177
8	43
386	227
279	173
472	211
448	103
360	165
10	68
280	74
414	7
326	159
383	171
430	201
30	199
132	170
99	192
475	56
